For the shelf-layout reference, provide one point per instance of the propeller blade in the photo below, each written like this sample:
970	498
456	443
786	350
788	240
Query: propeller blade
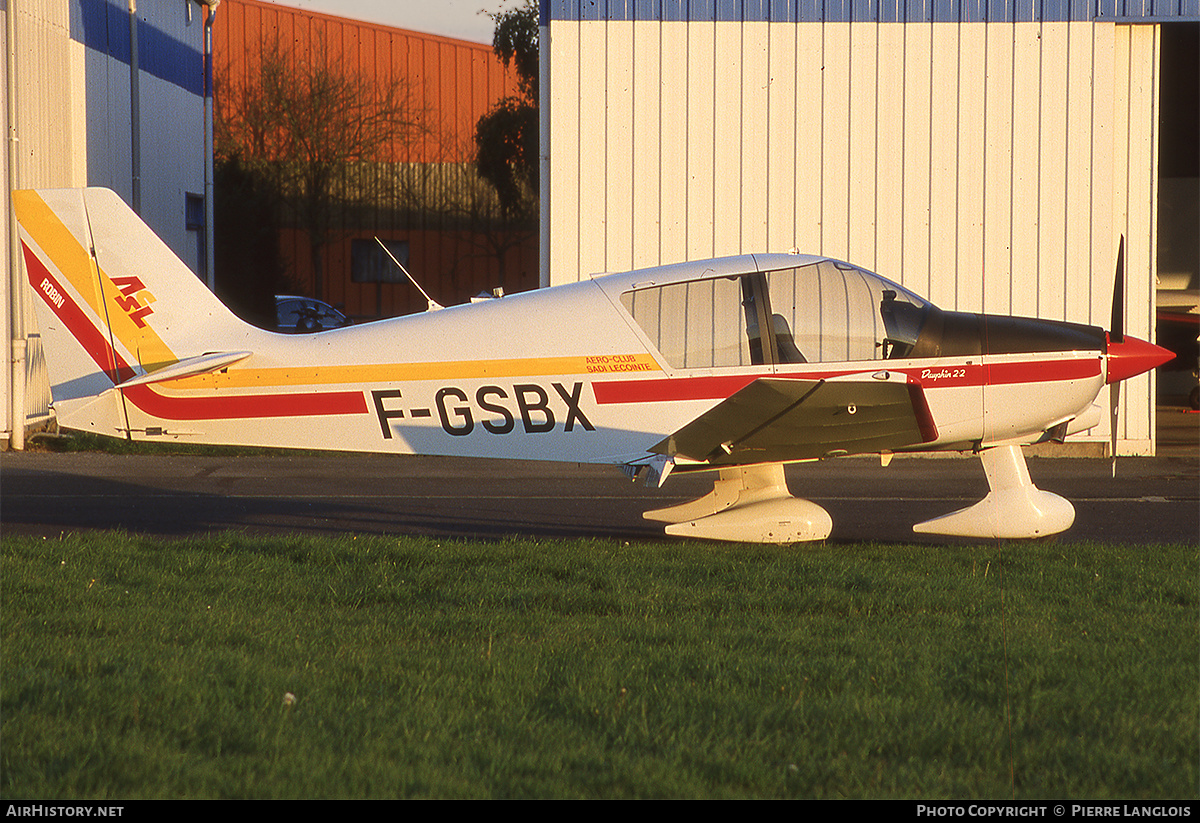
1117	326
1114	401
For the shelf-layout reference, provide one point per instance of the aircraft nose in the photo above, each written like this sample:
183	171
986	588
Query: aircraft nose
1131	357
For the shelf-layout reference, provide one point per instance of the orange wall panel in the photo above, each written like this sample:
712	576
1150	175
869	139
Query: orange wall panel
455	81
436	260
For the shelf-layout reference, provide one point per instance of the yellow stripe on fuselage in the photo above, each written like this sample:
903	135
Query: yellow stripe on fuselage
388	373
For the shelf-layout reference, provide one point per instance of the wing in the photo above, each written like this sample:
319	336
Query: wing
776	419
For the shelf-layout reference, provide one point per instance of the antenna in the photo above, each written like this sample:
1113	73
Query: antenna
432	304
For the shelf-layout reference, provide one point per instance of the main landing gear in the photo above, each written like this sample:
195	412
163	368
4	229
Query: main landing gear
748	504
752	504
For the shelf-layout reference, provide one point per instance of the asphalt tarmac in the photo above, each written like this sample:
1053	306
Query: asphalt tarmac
1151	500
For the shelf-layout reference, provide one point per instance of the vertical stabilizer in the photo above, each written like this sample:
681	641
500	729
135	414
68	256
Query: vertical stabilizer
56	250
113	301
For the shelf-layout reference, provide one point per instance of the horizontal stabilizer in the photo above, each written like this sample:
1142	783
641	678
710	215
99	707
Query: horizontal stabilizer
203	364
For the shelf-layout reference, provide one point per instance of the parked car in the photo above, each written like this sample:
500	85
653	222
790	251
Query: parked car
302	315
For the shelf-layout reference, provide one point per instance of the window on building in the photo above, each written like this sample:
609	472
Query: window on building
193	215
370	264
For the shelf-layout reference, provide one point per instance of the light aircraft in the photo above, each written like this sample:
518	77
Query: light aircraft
736	366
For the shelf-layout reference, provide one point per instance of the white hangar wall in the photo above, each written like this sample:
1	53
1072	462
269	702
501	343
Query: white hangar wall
990	164
69	69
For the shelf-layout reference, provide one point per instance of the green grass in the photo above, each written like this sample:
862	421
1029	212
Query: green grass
145	668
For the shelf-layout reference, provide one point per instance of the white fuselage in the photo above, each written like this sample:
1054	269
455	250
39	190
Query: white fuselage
562	374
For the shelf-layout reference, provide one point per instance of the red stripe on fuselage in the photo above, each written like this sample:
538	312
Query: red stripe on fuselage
666	389
671	389
245	405
1042	371
165	407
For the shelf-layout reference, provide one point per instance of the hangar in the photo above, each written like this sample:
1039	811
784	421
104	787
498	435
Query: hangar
987	154
101	93
120	94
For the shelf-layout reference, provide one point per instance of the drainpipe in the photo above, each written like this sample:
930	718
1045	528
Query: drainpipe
16	294
210	267
135	109
544	147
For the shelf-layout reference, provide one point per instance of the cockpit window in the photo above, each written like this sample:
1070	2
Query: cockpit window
838	312
902	323
697	325
825	311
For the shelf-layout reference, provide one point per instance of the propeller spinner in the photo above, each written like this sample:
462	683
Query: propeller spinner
1126	357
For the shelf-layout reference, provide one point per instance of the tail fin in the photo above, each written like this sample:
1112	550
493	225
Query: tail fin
114	302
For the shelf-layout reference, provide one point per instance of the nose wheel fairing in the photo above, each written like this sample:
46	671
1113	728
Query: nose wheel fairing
1013	509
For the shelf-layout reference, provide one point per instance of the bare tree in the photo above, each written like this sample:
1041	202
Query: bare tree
498	221
506	138
315	132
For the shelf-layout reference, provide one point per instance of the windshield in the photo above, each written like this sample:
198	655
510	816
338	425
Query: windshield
835	311
826	311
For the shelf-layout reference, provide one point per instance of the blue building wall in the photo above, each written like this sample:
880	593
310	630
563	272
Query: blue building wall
171	85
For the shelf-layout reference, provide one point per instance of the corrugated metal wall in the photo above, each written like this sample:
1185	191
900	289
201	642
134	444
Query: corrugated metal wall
52	148
988	166
170	107
454	83
875	11
51	90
